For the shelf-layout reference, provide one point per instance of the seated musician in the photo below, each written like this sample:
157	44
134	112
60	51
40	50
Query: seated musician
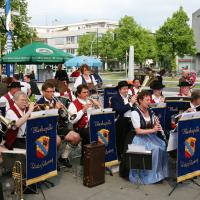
136	86
146	126
64	90
157	96
8	97
123	107
195	101
85	78
79	108
70	137
97	77
184	89
18	112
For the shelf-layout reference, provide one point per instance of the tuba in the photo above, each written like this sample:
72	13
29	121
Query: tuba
147	81
8	125
18	179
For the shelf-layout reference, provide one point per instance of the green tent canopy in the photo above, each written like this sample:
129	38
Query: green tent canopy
36	53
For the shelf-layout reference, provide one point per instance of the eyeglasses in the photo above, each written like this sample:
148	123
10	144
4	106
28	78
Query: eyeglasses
50	91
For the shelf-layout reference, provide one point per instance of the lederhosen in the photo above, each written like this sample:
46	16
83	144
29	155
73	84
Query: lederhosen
90	85
11	140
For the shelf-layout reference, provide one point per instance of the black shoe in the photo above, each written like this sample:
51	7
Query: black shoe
58	166
65	162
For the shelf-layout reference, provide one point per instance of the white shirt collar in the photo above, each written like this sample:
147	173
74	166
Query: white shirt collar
156	99
83	101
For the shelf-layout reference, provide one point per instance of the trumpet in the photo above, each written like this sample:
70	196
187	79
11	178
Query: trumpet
18	179
63	111
8	124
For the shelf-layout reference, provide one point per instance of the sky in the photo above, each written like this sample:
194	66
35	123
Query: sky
150	14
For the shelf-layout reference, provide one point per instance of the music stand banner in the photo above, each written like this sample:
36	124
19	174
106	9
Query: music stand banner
173	108
188	152
108	93
161	114
102	130
41	149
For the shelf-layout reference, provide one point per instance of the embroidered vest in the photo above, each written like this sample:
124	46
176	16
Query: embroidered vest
84	119
143	124
90	85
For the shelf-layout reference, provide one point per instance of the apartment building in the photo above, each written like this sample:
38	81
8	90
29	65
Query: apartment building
65	37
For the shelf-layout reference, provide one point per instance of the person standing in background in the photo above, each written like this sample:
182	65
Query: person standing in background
48	73
61	74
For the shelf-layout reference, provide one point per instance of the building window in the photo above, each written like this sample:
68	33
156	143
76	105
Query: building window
70	40
59	41
72	51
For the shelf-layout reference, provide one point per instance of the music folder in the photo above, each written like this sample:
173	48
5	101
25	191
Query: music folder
141	160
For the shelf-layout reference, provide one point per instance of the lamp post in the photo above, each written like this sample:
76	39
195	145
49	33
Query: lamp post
96	37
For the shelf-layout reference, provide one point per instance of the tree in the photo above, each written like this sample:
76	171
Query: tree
87	44
106	45
175	38
130	33
22	33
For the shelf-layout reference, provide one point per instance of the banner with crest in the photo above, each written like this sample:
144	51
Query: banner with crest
41	149
108	93
188	152
102	130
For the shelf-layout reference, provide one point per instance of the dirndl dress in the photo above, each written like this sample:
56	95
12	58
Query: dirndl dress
159	159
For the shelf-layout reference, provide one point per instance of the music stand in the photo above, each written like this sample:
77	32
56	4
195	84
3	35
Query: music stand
139	161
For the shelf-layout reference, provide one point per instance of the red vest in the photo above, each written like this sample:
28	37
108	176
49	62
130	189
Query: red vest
11	135
69	93
10	101
152	100
133	91
84	119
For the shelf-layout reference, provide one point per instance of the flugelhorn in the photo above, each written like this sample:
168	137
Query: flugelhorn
9	124
18	179
95	103
63	111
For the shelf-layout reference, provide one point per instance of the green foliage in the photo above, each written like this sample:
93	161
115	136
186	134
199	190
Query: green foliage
175	37
22	33
87	43
115	44
106	45
130	33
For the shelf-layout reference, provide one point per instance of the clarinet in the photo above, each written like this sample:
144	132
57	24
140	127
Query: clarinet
158	122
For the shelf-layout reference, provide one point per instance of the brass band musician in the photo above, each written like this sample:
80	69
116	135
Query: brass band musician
85	78
70	137
18	112
79	107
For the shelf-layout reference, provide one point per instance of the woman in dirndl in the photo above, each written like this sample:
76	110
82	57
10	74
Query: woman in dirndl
146	126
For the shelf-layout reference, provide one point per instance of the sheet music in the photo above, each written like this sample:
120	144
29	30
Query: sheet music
44	112
135	148
173	141
15	151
